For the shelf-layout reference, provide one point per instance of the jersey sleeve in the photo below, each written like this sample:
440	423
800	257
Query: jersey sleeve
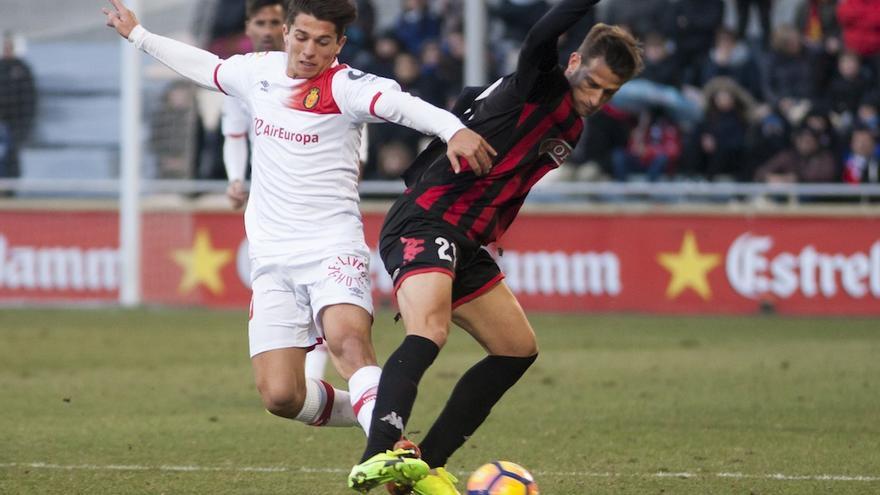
369	98
356	93
231	75
235	120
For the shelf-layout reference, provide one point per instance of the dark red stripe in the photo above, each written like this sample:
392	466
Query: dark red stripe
573	132
216	81
369	395
479	292
463	203
510	161
523	188
527	110
328	406
427	199
407	275
373	107
236	135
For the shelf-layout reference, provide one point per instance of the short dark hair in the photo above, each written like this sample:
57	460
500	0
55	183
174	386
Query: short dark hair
339	12
620	49
254	6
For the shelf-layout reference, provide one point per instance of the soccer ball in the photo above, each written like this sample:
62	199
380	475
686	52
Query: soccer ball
501	478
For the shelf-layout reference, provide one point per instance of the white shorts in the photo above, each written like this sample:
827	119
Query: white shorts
288	298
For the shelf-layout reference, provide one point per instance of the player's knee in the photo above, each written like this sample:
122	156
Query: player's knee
284	401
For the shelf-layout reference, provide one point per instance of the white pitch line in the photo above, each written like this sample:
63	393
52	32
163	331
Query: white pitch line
582	474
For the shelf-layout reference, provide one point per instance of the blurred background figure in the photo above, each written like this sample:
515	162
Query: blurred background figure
18	106
804	161
862	163
718	145
744	9
653	149
174	132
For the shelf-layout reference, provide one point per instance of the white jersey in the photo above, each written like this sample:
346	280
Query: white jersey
305	137
306	132
235	120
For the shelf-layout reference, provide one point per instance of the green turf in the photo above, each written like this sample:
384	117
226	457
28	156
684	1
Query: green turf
614	405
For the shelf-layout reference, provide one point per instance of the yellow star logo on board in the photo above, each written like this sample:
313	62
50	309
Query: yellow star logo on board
201	264
689	268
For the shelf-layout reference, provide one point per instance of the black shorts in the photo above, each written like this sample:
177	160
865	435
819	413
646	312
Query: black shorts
411	244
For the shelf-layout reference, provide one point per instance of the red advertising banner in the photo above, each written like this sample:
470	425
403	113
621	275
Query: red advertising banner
697	264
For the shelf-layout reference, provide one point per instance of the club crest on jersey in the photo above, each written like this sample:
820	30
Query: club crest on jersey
558	150
312	98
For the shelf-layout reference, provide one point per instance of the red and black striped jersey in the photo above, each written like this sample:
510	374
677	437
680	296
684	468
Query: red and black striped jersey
528	119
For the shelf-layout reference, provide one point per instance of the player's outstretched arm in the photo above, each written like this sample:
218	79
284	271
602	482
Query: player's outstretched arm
539	51
190	62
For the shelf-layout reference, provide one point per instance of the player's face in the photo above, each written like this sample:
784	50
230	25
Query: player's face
265	29
592	83
312	45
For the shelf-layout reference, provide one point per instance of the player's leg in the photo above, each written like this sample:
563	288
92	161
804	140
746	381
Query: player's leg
496	320
347	330
316	362
423	280
280	334
425	302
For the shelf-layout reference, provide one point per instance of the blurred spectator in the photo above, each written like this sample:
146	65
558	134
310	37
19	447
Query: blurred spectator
862	163
18	105
642	16
416	25
788	75
860	22
805	161
718	144
451	67
868	113
175	132
223	29
654	147
695	24
732	58
819	121
385	50
659	64
817	22
518	16
743	9
604	132
849	84
408	72
658	85
768	136
356	51
433	71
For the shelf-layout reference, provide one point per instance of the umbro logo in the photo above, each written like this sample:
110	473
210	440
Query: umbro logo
394	420
264	86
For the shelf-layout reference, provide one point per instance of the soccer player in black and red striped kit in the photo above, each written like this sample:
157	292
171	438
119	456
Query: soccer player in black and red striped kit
433	237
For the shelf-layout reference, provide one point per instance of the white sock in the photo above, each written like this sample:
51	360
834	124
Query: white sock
316	362
326	406
363	385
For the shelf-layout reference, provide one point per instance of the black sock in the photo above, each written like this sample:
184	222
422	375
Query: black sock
470	403
398	387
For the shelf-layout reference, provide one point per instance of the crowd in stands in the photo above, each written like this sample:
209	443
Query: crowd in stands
794	102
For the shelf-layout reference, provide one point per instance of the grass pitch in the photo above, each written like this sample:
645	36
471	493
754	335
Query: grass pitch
149	402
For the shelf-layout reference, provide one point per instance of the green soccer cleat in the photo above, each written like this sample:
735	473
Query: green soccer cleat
440	482
400	467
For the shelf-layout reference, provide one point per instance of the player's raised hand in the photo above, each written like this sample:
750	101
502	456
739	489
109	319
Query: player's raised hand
236	194
470	146
120	18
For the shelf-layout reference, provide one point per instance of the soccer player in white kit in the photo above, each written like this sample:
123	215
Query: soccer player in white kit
264	21
309	261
